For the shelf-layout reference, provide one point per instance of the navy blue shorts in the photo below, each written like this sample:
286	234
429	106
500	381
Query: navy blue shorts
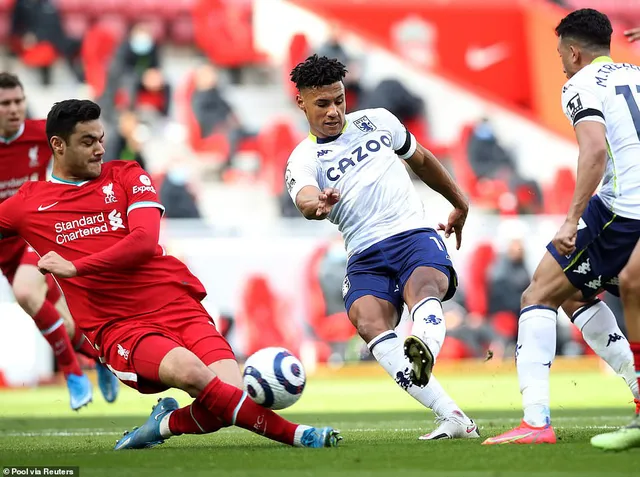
604	244
383	269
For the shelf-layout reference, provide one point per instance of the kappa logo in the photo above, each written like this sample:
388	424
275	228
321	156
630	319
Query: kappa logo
289	180
115	220
109	194
323	152
33	157
595	284
615	281
345	286
123	351
364	124
613	337
583	268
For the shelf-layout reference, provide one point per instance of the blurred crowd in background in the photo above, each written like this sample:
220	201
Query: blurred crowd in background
123	55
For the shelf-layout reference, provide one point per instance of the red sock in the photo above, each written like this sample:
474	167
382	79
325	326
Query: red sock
193	419
52	328
635	349
234	407
82	345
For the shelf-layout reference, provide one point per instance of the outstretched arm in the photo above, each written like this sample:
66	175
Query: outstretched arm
137	248
316	204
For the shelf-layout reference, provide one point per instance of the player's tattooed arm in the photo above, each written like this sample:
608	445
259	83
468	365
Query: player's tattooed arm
316	204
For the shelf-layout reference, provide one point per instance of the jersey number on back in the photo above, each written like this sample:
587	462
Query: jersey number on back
632	104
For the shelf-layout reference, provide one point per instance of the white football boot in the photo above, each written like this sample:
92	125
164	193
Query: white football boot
454	426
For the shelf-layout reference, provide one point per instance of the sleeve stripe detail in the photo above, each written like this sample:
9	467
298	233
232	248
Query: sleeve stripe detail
409	147
406	146
143	204
587	112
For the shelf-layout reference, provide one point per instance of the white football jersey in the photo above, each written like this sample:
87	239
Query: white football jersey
609	93
378	199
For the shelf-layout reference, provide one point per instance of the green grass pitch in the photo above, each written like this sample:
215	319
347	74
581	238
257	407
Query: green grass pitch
379	422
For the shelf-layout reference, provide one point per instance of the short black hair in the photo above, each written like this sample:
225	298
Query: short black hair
64	115
587	26
317	71
9	81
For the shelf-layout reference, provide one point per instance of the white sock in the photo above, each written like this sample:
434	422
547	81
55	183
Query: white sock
387	348
428	323
535	352
600	330
297	436
165	432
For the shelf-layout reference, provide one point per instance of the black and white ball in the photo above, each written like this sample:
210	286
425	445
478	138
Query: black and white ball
274	378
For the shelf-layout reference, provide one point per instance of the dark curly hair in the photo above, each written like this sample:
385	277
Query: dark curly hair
65	115
317	71
587	26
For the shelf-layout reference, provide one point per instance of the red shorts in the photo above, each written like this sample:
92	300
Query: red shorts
183	323
28	256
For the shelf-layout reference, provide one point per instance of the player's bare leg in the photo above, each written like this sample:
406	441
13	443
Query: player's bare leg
629	436
30	290
217	404
601	332
375	319
423	292
107	382
535	352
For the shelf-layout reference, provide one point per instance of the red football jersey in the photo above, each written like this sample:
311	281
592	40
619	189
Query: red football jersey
79	219
23	157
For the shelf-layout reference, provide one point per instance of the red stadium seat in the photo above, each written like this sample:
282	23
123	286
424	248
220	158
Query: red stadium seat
476	289
559	193
331	329
299	50
264	318
75	25
181	31
97	50
275	143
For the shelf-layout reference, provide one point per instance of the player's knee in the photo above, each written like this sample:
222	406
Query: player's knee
629	282
28	297
370	327
193	377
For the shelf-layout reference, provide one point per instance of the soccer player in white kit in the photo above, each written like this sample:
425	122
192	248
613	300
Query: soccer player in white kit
590	252
351	171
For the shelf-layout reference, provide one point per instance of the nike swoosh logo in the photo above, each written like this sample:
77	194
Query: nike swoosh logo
478	58
506	440
41	208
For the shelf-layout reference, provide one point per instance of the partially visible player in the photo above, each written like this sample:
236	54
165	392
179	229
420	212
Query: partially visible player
629	436
139	307
591	249
351	171
24	156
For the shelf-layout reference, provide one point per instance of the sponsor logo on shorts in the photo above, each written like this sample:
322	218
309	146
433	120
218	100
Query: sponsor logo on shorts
123	351
345	286
583	268
594	284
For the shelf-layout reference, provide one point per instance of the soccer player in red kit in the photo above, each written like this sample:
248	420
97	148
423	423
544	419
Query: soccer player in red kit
24	156
96	228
